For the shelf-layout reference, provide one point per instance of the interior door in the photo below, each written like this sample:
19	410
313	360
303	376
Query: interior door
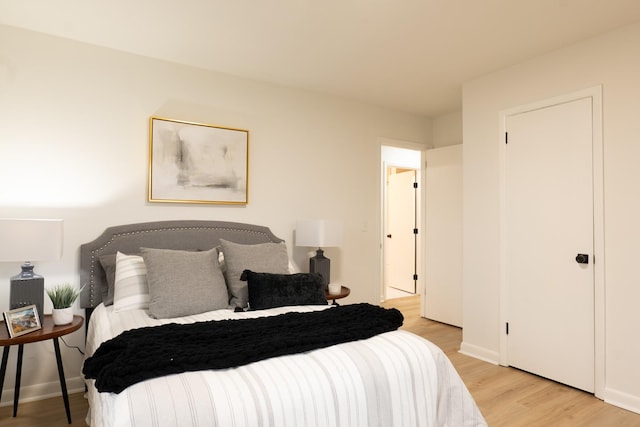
549	242
400	241
442	297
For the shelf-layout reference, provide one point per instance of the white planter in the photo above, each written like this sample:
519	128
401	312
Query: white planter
62	316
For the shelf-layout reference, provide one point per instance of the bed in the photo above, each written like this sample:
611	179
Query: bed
389	377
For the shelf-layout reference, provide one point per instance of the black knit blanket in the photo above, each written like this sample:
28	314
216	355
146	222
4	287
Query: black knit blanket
140	354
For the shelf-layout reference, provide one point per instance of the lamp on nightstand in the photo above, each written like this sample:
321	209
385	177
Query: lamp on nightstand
32	240
318	234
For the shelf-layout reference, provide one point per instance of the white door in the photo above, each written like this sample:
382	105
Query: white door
400	240
443	275
549	222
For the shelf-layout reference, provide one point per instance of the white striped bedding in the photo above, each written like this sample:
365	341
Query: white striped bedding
393	379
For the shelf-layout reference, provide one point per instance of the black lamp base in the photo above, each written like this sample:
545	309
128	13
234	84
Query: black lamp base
27	288
321	264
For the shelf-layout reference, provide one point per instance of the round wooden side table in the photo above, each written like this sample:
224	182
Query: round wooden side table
344	292
49	331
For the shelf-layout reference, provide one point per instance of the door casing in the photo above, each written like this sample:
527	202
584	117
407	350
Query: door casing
389	159
595	93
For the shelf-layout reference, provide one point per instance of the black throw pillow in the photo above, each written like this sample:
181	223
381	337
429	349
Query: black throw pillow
267	290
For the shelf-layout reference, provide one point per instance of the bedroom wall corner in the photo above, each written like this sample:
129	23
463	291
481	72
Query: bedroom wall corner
447	129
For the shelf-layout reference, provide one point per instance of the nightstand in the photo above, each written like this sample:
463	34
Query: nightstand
48	332
344	292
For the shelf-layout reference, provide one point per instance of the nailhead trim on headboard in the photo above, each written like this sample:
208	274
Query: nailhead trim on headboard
90	252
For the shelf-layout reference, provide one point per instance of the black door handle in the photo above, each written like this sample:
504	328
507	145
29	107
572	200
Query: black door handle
389	236
582	259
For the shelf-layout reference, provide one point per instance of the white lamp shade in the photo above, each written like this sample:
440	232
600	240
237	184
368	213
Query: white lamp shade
319	233
30	239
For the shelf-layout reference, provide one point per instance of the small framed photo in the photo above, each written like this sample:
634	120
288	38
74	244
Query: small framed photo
22	320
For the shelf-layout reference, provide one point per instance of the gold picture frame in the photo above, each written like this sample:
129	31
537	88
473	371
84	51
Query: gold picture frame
197	163
22	320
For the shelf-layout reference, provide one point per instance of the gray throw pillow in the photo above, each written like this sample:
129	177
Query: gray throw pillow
263	258
108	263
182	283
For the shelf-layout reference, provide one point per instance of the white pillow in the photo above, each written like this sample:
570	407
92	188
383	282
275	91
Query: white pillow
130	286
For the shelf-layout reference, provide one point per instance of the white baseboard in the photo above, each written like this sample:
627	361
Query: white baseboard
42	391
480	353
622	400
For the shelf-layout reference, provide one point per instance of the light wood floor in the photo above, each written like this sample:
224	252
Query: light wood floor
505	396
46	413
510	397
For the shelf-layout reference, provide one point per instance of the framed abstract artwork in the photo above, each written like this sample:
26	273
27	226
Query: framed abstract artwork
197	163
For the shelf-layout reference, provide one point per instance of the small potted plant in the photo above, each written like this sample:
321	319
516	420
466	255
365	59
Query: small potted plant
63	296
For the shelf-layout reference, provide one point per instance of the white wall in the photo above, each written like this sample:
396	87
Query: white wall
447	129
399	156
74	145
613	61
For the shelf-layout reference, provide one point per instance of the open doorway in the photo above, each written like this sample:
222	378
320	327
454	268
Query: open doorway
400	248
401	222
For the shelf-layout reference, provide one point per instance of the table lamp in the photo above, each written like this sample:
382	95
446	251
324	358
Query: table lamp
319	233
26	240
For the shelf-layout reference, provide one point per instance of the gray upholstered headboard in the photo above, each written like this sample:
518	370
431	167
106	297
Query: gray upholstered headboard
186	235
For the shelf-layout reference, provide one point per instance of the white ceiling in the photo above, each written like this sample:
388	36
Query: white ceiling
409	55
